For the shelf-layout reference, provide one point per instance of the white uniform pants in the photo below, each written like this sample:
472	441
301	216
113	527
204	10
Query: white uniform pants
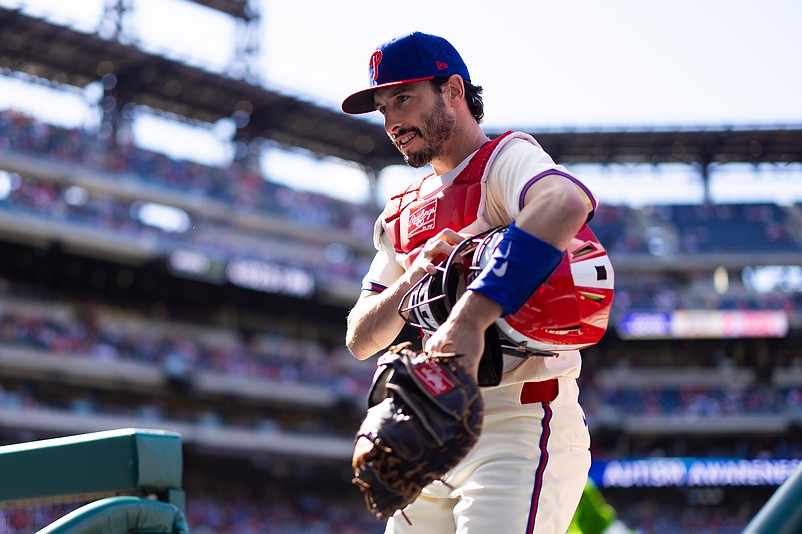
525	475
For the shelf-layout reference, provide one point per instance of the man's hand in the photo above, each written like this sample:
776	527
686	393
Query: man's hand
464	330
374	322
434	252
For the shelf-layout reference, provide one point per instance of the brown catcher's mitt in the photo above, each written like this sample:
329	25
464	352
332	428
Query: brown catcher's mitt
424	415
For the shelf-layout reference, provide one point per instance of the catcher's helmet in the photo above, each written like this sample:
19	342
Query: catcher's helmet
569	311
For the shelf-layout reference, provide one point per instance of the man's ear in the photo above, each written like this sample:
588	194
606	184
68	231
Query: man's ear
455	88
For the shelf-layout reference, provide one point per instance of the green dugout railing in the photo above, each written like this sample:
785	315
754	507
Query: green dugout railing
132	476
782	513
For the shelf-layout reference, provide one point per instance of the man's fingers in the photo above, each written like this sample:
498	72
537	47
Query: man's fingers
450	236
438	249
441	248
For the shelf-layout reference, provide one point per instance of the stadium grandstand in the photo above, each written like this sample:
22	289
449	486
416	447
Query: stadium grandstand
138	290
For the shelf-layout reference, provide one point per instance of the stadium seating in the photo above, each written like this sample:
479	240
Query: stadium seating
288	383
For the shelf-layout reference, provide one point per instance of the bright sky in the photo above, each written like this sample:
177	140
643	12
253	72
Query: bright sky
544	65
566	63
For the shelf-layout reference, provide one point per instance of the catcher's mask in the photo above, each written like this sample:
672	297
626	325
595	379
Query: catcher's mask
569	311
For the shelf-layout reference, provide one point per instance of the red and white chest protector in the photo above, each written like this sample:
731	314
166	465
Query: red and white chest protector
411	219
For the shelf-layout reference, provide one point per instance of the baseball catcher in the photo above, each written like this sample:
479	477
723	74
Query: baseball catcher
539	283
425	414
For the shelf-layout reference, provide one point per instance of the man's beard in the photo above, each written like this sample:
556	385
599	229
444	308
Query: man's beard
437	128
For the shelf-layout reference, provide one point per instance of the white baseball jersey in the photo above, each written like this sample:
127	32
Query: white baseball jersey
515	165
528	470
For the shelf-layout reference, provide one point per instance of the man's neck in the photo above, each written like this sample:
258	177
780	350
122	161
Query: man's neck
461	145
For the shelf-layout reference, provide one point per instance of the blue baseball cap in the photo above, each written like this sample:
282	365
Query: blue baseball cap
414	57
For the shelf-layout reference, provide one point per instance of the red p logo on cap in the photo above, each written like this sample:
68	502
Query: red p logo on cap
375	59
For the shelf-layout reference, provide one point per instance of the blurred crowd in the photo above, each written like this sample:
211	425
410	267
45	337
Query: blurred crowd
55	325
300	513
693	291
74	205
666	230
46	321
215	513
654	230
63	202
58	326
703	401
655	517
239	185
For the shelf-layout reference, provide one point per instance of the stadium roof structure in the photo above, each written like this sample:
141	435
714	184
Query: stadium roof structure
235	8
52	52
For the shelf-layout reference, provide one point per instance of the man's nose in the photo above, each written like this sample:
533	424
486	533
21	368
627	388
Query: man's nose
391	123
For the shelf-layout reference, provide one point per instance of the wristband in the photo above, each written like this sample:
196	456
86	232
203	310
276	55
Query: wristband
519	265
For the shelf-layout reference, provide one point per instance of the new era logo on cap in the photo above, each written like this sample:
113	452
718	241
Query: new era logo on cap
410	58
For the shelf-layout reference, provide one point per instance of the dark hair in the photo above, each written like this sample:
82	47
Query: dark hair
473	95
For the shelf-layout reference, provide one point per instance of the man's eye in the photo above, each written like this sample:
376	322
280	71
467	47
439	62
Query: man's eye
401	98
